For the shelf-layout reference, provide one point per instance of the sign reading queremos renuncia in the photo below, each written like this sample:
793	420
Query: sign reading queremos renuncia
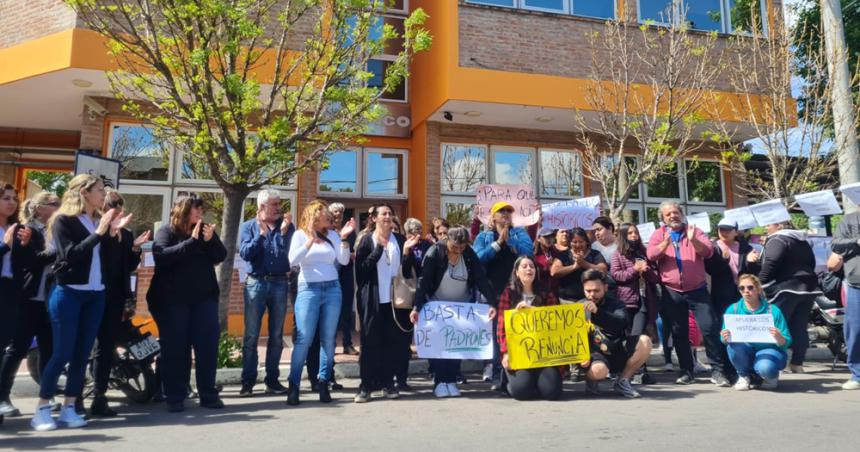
397	122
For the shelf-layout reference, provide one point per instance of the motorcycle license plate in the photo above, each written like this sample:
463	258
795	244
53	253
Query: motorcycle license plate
145	348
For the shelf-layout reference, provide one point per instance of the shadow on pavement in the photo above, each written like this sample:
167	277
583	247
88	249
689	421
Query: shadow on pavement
29	440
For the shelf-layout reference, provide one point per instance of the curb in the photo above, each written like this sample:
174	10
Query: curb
232	376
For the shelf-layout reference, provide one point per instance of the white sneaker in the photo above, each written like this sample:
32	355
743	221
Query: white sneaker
70	418
488	373
441	390
453	390
851	385
42	420
770	383
795	369
743	384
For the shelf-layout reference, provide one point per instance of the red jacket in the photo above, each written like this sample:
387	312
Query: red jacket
506	302
692	274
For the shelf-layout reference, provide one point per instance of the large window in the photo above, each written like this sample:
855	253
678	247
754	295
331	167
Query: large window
142	156
603	9
704	182
371	172
464	167
665	186
726	16
512	165
560	173
150	206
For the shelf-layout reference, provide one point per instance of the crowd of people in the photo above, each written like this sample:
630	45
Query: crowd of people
65	267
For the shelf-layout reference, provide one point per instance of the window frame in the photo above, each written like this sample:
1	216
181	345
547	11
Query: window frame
390	59
148	190
491	168
516	4
539	169
523	4
454	199
405	172
292	195
171	158
179	179
722	184
642	20
682	195
359	179
575	14
442	145
725	17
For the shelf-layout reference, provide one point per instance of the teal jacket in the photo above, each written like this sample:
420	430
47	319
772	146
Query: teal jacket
740	308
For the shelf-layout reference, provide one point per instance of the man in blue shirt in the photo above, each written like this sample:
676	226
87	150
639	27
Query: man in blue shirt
265	245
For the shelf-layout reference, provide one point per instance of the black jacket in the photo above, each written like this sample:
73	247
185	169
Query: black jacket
367	294
724	290
22	258
788	266
122	262
43	258
846	242
184	268
74	245
436	264
611	317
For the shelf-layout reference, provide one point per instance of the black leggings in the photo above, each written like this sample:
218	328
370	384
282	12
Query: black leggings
636	320
530	383
33	320
106	343
795	308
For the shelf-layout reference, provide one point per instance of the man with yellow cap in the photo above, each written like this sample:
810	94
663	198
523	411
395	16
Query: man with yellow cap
498	249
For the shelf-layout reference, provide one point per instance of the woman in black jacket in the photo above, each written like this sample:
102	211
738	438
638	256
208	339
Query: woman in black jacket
377	261
733	256
82	238
788	277
33	317
185	293
451	272
121	263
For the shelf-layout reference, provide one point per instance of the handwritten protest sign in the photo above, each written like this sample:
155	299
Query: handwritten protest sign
819	203
571	214
750	328
701	220
645	231
449	330
770	212
744	217
521	197
547	336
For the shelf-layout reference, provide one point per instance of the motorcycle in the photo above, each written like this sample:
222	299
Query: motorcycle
827	318
132	371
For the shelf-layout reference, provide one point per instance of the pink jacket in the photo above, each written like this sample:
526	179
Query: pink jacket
693	274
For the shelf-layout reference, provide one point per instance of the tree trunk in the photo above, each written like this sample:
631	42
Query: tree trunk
232	217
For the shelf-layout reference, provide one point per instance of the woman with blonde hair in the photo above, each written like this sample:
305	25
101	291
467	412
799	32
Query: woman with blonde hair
184	293
317	249
82	237
33	317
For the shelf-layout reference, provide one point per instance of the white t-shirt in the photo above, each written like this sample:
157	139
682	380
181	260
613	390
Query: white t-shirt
387	267
606	251
317	263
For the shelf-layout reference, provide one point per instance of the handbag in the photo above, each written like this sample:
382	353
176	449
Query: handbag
403	291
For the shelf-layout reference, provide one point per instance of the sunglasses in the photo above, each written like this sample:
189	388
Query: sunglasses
746	288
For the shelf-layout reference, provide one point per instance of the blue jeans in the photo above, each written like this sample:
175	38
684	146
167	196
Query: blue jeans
261	296
75	319
766	362
317	304
851	328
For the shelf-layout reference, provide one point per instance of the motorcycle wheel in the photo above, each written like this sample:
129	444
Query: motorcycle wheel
33	365
837	346
137	382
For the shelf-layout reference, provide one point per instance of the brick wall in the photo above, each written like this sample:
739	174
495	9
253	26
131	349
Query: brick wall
24	20
534	42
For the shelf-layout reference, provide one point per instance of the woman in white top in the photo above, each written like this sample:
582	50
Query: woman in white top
604	238
377	262
315	248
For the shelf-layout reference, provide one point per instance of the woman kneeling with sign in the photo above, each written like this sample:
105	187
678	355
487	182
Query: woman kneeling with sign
758	361
525	291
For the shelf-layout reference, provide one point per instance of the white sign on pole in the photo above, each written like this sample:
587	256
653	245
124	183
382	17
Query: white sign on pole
148	260
701	220
571	214
744	217
770	212
852	191
819	203
750	328
450	330
645	231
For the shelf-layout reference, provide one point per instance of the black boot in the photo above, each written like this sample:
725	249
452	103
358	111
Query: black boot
325	395
100	407
293	395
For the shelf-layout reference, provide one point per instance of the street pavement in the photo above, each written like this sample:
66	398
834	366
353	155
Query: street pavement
807	412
